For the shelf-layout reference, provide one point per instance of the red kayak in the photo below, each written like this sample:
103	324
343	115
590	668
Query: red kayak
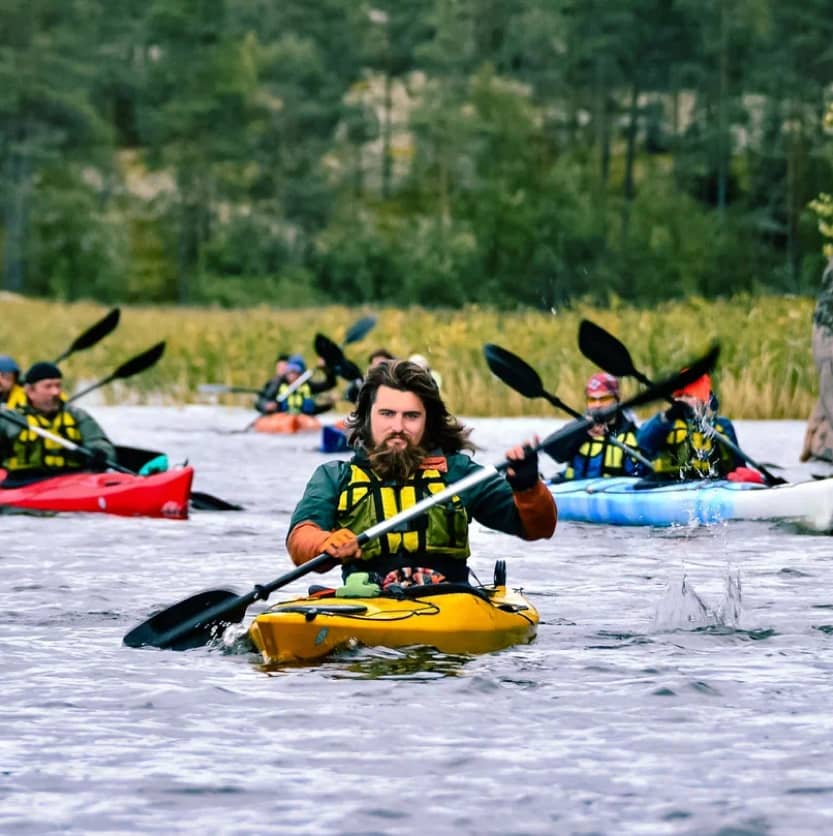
159	495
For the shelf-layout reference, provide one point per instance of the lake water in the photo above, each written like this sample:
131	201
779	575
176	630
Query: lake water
680	682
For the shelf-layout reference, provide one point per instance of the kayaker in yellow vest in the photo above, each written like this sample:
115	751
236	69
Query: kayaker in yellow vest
25	450
680	440
288	368
596	454
11	392
407	446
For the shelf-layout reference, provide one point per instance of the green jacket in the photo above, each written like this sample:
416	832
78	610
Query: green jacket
91	435
490	502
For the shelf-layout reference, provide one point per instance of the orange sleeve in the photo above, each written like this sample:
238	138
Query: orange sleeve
305	541
536	508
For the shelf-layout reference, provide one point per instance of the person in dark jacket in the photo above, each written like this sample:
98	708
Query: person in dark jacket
408	446
682	439
27	451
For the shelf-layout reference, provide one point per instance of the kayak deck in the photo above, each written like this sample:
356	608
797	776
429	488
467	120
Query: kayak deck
286	422
629	501
451	618
123	494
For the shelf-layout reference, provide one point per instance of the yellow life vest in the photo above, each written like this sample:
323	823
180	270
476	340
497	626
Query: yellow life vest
294	401
32	450
688	448
367	500
613	462
16	397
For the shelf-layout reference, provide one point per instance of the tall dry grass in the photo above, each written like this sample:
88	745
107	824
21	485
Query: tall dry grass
765	370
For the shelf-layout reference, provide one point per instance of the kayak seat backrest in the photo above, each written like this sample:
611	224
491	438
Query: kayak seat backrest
421	590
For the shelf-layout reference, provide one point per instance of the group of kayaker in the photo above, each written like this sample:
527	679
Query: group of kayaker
687	439
35	417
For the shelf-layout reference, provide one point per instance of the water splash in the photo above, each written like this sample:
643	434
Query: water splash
683	608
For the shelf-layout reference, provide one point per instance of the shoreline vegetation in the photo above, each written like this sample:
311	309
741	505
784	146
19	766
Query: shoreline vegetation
765	370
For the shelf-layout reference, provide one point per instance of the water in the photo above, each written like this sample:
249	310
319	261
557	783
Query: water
679	683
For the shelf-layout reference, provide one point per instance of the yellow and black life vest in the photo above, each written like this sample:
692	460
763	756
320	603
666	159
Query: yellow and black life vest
688	449
32	450
294	401
16	397
610	460
367	500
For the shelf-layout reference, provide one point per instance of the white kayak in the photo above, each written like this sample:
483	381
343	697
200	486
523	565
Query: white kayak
630	501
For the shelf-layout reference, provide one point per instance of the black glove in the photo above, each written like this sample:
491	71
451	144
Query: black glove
97	460
526	472
679	410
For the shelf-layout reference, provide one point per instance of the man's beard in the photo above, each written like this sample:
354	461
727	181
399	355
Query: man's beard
395	463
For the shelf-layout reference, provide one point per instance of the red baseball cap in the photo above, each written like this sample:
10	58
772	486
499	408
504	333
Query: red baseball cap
700	389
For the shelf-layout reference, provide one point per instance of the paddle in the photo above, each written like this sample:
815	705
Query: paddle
334	357
95	333
520	376
196	620
222	389
610	354
130	367
201	501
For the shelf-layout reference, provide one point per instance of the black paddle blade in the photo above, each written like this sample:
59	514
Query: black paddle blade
603	349
201	501
335	359
187	624
140	362
95	333
359	328
513	371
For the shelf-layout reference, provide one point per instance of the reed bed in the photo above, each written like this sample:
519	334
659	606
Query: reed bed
765	371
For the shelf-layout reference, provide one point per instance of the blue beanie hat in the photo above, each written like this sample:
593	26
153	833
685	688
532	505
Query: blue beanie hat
7	364
298	360
43	371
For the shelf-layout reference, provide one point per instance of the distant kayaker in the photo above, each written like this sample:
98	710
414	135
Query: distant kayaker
281	393
408	446
22	449
598	454
681	439
11	392
380	355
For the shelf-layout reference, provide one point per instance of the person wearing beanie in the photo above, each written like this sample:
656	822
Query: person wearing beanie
25	453
680	440
288	368
600	452
12	395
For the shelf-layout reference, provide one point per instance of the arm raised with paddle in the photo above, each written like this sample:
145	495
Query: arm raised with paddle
520	376
195	621
607	352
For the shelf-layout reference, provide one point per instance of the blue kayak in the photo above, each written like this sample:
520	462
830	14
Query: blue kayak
333	439
631	501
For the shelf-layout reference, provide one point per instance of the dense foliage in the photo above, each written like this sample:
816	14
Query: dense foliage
443	152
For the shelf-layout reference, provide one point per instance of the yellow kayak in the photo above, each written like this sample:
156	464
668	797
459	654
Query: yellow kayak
453	618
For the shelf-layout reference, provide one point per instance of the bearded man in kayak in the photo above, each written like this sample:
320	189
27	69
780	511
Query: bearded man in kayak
24	450
603	451
11	392
408	446
682	441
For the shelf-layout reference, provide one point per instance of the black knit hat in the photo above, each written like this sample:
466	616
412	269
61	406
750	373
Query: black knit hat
42	371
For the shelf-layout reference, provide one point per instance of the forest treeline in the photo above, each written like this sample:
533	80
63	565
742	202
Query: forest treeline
516	153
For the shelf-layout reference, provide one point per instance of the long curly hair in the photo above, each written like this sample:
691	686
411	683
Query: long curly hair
442	429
